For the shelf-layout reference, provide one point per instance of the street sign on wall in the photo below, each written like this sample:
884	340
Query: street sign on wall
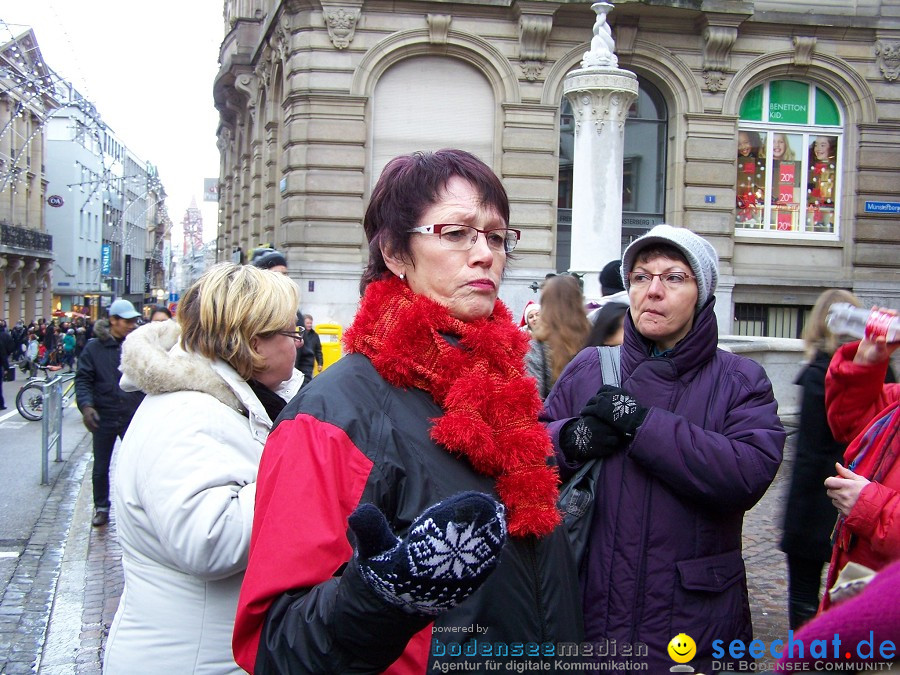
882	207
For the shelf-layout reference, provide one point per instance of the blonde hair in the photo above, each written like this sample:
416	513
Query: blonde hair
562	325
788	155
229	305
816	336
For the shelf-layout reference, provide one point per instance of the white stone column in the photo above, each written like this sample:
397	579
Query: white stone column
600	94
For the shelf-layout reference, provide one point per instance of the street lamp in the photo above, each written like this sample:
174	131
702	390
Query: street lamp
160	294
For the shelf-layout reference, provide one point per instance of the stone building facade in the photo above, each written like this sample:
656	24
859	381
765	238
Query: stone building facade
315	97
26	249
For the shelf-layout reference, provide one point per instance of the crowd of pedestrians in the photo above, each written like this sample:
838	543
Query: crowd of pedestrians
54	343
398	512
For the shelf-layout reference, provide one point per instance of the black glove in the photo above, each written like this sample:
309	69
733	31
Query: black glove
448	552
91	418
587	438
618	409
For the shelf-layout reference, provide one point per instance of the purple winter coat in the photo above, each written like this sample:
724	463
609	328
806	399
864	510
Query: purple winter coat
665	548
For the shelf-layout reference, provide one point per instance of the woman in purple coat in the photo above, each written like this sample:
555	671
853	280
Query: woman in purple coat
690	442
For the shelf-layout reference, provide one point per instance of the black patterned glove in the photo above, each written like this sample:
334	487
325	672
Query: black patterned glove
448	552
587	438
618	409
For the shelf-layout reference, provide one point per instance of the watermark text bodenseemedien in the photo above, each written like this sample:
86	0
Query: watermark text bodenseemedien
487	648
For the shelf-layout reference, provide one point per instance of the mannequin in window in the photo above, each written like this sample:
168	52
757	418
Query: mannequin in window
785	181
751	178
821	182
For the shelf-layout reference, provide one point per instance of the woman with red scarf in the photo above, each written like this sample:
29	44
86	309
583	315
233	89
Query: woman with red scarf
396	482
864	410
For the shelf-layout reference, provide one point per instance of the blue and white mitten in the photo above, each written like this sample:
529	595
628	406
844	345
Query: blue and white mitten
448	552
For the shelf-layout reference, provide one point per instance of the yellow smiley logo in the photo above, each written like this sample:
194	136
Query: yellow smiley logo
682	648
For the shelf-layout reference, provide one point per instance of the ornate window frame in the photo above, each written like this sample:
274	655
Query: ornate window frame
800	196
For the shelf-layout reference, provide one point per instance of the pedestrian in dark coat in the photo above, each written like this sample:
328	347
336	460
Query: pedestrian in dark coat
106	410
311	338
10	350
4	366
50	339
19	337
690	441
306	359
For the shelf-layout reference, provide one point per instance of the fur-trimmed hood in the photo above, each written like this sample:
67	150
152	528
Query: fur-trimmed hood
154	362
101	329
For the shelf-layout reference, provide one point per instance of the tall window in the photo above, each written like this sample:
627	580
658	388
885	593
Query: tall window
643	170
440	88
789	153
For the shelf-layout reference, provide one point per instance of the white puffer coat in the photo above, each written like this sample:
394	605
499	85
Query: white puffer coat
185	486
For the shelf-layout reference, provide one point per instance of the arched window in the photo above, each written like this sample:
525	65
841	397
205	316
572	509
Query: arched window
643	170
789	154
440	88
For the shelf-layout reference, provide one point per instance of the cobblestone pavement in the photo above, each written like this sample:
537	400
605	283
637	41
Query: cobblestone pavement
766	564
91	583
103	586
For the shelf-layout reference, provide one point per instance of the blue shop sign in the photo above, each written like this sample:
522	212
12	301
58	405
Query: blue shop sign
105	259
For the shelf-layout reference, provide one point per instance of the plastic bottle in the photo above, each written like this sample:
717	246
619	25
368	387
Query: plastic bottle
845	319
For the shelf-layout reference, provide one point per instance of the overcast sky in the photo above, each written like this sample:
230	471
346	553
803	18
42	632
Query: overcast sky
149	69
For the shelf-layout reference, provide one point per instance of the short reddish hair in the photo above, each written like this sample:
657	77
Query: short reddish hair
409	185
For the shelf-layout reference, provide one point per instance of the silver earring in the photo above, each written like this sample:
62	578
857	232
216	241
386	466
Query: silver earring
402	276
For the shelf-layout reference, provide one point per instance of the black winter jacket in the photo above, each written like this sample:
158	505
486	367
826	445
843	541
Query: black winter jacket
350	438
305	361
97	379
312	339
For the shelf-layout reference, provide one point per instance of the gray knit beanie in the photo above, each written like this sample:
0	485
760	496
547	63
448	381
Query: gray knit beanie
699	253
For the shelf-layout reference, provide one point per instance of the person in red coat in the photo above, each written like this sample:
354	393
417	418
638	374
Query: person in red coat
866	492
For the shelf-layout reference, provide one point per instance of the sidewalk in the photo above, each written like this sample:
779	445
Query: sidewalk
91	582
30	593
87	593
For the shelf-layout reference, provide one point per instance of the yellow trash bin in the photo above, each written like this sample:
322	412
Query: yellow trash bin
330	335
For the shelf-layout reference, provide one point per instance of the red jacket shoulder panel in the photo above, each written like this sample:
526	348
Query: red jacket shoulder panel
311	477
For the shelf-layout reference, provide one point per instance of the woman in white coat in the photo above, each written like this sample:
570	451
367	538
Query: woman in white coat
184	499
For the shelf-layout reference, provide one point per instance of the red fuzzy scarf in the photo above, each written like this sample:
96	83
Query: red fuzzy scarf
490	408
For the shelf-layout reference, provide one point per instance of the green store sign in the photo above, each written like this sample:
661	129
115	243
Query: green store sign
789	103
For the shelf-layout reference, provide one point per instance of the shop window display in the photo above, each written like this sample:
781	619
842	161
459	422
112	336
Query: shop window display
787	168
821	183
785	211
751	179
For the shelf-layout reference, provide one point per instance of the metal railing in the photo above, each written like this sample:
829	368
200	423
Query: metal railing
20	237
51	425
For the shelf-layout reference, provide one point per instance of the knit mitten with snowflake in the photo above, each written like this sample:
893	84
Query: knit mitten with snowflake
448	552
618	409
606	424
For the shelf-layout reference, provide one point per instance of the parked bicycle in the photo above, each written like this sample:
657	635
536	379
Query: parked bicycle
30	399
